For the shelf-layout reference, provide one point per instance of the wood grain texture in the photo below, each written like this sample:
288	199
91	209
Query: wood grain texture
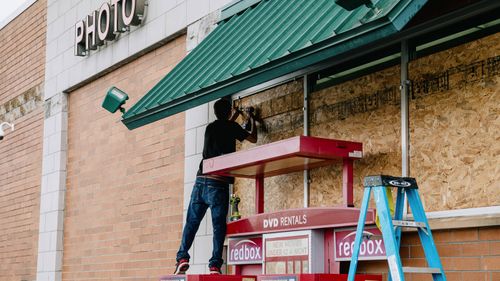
454	131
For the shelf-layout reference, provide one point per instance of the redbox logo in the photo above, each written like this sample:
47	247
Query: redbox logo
372	245
246	251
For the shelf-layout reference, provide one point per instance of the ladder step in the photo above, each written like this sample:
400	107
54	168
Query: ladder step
410	269
408	223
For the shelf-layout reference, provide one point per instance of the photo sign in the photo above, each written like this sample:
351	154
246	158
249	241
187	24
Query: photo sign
106	23
372	245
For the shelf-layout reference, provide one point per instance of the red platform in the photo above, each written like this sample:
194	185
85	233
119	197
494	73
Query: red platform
317	277
286	156
207	277
284	277
281	157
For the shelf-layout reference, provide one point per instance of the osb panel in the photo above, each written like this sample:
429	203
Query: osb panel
280	112
282	118
364	110
454	130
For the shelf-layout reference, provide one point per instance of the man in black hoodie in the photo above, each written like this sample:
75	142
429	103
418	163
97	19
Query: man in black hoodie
212	191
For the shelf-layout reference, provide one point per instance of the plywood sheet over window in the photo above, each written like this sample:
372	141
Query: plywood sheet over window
364	110
280	109
454	123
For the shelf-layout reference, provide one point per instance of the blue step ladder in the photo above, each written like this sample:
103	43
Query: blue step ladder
391	228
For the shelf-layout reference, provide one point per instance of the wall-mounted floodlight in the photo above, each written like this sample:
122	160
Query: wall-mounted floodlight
353	4
2	133
114	100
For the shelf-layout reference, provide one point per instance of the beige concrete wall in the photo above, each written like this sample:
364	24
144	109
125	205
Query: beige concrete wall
124	196
22	58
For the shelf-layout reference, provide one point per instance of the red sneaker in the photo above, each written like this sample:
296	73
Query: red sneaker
181	266
215	270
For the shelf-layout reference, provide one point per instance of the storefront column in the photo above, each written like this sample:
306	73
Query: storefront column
53	189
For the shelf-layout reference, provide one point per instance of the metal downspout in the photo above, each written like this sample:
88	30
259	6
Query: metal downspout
306	133
405	118
405	124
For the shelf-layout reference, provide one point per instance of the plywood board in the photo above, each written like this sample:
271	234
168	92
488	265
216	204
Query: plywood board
454	127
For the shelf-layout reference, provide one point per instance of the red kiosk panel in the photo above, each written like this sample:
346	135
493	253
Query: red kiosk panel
208	277
317	277
297	219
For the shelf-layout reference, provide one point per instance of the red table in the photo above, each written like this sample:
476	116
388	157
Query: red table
287	156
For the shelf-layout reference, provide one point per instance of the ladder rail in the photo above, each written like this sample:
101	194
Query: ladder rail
359	233
388	234
426	238
398	215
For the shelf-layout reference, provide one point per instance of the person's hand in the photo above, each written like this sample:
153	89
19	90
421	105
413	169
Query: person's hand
250	111
235	112
237	106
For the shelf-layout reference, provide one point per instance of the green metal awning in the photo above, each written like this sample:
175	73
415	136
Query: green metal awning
265	41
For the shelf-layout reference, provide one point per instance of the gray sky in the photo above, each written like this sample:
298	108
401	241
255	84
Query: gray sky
8	7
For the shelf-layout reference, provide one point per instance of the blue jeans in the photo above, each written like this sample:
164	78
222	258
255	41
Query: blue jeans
213	194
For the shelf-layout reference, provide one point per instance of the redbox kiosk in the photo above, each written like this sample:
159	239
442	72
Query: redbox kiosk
310	241
304	244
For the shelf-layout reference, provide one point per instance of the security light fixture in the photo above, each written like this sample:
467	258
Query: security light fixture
114	100
2	133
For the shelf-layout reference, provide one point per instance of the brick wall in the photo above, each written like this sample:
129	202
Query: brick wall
22	58
466	254
22	52
124	198
20	174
